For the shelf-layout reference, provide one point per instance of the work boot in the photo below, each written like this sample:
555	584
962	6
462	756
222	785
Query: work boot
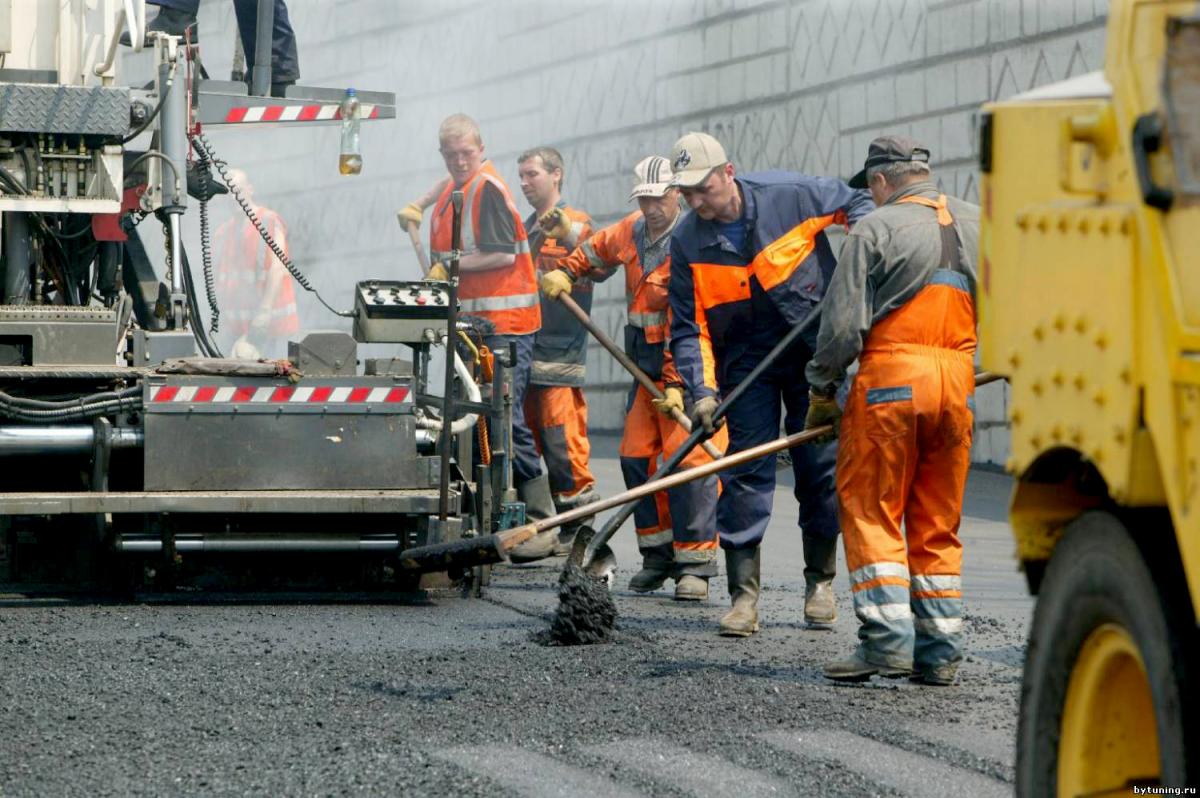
691	588
566	535
820	566
856	669
651	577
538	505
936	675
170	21
743	567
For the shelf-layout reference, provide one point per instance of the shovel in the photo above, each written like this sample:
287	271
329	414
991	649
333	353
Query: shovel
414	235
642	377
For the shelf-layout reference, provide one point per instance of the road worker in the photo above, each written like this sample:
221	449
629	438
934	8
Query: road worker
676	529
750	262
555	408
255	294
498	284
901	301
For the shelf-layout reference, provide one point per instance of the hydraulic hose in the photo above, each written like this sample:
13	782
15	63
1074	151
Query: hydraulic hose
84	407
473	395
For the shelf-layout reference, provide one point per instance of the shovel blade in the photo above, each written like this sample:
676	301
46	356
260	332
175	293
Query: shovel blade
603	564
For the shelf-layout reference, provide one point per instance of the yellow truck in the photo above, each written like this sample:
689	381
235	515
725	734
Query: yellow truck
1089	301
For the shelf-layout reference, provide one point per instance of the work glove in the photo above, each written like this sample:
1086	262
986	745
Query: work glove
556	282
823	410
412	212
555	223
242	349
672	400
702	415
438	272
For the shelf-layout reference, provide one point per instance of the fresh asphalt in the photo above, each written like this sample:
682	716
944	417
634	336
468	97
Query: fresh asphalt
253	695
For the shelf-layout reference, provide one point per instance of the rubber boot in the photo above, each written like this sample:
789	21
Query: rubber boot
171	21
538	505
743	568
820	566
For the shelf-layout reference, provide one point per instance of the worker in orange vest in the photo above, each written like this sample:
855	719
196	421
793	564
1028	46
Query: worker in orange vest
497	283
255	295
555	407
676	529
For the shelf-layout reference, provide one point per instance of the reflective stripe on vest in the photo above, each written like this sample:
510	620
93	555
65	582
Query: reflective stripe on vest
490	303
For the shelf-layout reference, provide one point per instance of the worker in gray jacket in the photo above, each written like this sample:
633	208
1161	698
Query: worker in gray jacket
901	302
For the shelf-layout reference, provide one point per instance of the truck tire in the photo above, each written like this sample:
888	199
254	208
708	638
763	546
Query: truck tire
1106	700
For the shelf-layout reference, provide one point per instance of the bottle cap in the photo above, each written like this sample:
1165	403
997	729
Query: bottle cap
351	92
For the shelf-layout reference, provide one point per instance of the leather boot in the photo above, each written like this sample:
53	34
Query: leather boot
820	566
538	505
743	568
652	576
690	587
566	534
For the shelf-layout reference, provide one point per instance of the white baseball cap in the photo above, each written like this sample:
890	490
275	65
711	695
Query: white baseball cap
694	157
652	177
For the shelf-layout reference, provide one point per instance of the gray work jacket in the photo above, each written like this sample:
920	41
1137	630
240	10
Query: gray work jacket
886	259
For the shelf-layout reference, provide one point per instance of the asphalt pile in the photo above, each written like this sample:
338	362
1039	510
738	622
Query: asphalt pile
585	614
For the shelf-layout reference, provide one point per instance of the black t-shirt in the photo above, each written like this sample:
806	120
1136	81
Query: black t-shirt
497	228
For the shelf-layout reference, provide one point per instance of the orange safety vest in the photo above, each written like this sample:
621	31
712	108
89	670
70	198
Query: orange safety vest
242	273
507	297
645	293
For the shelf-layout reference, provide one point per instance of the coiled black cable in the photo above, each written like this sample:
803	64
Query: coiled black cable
210	286
201	142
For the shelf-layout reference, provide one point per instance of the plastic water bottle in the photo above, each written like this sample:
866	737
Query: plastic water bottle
350	162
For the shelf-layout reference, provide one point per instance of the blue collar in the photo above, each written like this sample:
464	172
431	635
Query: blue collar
708	228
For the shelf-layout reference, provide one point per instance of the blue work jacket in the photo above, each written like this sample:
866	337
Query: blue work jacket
726	303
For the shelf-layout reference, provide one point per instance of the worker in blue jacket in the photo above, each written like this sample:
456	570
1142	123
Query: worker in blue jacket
750	262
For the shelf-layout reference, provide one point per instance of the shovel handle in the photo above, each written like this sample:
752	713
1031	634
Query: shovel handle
627	363
414	234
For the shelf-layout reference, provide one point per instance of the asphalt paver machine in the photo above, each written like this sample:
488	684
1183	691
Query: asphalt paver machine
129	446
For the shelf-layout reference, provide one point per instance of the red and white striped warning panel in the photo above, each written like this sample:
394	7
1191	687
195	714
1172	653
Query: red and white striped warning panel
289	394
321	112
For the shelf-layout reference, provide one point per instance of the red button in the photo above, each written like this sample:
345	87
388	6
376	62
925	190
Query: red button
420	300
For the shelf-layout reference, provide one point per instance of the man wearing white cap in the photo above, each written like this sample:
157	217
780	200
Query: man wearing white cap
677	532
749	263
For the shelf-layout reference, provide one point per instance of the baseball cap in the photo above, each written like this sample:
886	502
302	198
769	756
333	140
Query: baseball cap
694	157
652	177
889	149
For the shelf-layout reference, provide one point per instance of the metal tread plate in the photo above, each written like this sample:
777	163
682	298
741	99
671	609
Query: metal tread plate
408	501
36	108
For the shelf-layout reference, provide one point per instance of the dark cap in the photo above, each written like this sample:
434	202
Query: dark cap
889	149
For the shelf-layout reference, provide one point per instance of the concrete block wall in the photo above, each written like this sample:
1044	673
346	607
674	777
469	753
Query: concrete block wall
797	84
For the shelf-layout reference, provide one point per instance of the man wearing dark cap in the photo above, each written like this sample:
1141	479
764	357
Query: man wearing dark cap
749	263
901	301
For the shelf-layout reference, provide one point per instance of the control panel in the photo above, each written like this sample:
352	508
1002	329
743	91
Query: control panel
399	312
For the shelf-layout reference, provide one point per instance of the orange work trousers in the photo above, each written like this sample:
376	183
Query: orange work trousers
905	447
676	526
557	415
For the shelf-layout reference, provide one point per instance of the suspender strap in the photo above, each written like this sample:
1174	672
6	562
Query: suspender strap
950	241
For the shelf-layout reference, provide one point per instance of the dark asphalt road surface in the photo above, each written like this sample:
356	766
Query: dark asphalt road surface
452	696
